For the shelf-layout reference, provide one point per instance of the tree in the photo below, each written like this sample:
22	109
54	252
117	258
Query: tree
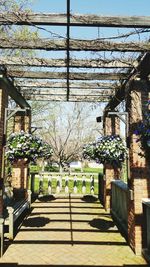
18	32
67	127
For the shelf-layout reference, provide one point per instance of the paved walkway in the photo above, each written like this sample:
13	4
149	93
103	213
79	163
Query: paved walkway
69	232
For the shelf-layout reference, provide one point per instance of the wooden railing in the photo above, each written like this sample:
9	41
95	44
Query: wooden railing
47	183
119	203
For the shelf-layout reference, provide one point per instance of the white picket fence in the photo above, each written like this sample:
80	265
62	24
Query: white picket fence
57	183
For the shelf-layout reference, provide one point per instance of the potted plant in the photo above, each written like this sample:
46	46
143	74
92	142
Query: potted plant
27	147
21	149
109	149
143	134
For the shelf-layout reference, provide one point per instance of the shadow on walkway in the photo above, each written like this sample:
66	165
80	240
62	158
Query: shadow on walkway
74	232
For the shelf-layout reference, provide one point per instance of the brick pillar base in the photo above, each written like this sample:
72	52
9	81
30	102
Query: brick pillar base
20	179
110	174
111	127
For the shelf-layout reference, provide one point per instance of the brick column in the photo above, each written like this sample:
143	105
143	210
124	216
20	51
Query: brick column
20	172
139	180
3	105
111	126
22	122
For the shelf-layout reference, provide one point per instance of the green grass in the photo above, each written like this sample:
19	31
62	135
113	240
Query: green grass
35	168
89	170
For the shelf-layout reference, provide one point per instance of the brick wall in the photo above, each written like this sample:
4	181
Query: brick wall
22	123
138	181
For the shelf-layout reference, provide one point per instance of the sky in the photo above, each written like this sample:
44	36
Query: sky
99	7
103	7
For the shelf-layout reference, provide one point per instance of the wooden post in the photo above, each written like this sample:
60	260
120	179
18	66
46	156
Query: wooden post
92	184
3	105
138	182
41	181
67	184
50	184
32	177
83	184
75	188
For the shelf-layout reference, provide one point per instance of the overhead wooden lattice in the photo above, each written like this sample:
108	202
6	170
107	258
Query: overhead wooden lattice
100	79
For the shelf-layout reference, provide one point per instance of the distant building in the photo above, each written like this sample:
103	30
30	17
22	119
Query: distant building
93	164
76	164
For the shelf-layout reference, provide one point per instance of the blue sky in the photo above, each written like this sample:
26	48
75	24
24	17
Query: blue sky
100	7
103	7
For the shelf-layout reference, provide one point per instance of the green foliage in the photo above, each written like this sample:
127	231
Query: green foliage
50	168
14	5
26	146
17	32
108	149
143	132
35	168
92	170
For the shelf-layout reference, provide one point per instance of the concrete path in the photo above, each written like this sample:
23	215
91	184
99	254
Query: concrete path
69	232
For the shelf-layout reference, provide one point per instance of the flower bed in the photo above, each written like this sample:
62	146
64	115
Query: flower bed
108	149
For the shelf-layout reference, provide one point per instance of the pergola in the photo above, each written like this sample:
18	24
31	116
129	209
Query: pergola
74	85
113	81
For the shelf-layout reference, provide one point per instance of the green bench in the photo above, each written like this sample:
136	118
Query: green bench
13	213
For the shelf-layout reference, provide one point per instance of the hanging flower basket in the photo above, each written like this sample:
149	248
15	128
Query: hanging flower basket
108	149
143	134
26	146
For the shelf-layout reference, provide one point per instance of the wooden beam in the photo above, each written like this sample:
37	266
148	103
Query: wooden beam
143	70
56	91
74	63
75	20
71	98
13	92
75	45
77	85
62	75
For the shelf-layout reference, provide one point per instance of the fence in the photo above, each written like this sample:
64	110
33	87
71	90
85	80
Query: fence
119	202
46	183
